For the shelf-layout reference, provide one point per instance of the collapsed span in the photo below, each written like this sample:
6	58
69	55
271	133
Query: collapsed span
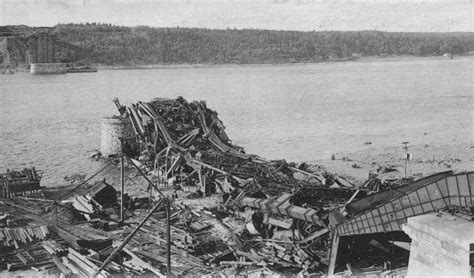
187	141
450	191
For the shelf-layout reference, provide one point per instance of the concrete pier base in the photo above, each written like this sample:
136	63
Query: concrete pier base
48	68
440	245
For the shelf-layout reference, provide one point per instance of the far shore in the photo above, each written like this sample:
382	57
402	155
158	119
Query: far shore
364	59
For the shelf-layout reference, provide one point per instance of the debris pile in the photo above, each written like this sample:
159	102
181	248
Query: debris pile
20	183
214	209
384	178
186	143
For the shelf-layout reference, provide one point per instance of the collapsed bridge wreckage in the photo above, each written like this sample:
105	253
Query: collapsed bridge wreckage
235	214
186	143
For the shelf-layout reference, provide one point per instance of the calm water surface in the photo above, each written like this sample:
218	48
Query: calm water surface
296	112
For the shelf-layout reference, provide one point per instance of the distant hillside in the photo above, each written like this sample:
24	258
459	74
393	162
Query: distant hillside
115	45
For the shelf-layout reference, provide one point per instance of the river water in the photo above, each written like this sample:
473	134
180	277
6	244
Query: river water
298	112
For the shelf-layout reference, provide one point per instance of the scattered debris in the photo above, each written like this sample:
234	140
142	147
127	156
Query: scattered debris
211	209
75	178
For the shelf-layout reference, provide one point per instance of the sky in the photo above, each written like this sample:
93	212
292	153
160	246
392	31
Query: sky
301	15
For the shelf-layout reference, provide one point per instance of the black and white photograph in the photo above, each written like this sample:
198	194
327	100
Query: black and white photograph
236	138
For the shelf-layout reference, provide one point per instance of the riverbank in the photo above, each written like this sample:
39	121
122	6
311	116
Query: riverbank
427	160
363	59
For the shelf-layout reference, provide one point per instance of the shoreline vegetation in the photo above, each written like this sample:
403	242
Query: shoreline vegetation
366	59
108	46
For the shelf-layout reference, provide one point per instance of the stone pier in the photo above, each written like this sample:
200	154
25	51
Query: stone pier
440	245
114	128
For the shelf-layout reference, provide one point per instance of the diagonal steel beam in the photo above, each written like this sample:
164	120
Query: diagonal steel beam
127	239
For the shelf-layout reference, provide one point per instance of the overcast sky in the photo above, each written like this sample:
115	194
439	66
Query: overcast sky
305	15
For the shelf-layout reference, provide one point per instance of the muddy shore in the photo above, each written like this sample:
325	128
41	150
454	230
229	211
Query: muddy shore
356	166
427	159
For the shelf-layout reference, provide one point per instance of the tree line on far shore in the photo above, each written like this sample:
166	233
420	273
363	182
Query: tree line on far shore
117	45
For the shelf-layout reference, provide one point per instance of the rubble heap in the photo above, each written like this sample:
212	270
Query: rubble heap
184	146
219	210
186	142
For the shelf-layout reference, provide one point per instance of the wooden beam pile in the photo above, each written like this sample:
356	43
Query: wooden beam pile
20	183
53	247
32	256
23	235
149	243
24	260
82	265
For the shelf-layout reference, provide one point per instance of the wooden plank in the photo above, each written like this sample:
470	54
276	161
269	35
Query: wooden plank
143	264
314	236
61	266
333	255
